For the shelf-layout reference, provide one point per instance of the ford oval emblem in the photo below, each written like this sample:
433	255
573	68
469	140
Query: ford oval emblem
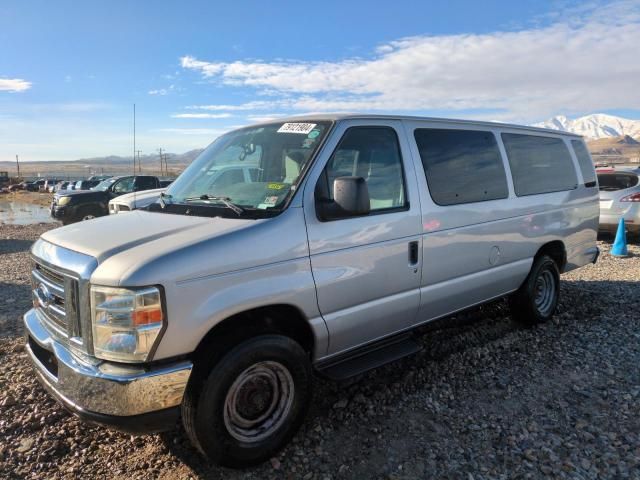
45	295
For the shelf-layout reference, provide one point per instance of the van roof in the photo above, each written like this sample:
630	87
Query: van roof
352	116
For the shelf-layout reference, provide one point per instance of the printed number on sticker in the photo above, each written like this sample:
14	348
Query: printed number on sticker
303	128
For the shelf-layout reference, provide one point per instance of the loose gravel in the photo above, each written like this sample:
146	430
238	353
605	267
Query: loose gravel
484	399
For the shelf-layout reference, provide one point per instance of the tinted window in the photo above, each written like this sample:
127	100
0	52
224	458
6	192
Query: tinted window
610	182
145	183
372	153
584	160
462	166
539	164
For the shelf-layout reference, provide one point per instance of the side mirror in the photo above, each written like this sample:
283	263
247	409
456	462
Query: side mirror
350	199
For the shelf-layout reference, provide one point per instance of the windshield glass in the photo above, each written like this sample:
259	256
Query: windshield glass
104	185
255	167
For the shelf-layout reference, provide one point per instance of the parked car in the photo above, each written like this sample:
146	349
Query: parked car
99	178
17	186
85	184
61	186
218	303
36	186
619	198
74	206
49	185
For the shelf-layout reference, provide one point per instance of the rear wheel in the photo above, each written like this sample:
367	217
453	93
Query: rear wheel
88	213
250	403
536	300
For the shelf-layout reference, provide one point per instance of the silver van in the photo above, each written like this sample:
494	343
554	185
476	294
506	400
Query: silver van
219	302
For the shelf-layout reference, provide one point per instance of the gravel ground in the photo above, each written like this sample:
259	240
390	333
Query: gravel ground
484	399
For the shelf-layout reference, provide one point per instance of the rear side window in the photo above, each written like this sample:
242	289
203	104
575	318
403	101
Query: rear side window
145	183
462	166
539	164
584	160
610	182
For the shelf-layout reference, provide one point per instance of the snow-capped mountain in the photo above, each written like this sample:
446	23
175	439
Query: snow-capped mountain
595	126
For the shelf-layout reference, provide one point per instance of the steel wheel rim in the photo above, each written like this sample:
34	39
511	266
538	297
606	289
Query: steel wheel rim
545	290
259	401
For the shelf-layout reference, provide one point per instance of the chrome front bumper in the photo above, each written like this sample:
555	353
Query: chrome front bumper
103	391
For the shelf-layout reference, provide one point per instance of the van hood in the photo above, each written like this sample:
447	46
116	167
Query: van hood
158	233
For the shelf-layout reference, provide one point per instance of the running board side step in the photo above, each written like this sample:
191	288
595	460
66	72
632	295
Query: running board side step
369	357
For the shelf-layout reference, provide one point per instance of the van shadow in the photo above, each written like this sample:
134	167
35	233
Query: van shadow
473	329
15	300
10	245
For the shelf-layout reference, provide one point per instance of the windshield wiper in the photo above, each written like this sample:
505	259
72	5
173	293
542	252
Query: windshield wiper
226	201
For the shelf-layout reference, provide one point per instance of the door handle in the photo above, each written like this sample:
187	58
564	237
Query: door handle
413	253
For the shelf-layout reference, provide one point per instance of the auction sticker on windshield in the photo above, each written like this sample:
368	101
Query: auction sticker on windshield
303	128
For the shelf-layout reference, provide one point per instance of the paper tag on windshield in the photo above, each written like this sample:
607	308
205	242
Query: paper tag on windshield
303	128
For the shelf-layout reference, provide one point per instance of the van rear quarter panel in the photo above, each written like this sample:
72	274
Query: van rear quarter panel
477	251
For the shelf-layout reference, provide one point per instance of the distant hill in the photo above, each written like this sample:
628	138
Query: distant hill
595	126
623	146
112	164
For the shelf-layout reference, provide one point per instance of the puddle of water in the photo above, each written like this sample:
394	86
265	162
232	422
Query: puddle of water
23	213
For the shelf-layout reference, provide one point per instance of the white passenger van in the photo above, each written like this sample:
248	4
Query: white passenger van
218	302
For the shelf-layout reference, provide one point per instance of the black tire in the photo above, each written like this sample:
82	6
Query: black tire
537	298
85	212
209	406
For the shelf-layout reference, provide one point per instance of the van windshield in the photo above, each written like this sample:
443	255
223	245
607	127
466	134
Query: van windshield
255	168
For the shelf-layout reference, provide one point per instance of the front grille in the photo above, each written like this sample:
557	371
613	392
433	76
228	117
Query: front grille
123	208
55	296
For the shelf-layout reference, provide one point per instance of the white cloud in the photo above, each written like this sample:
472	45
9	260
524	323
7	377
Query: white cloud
201	115
14	85
259	105
569	66
162	91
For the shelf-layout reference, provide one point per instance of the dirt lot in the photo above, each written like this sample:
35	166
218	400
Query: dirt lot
484	399
42	199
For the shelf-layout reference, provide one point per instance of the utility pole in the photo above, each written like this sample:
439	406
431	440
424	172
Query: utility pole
139	164
18	165
134	138
160	161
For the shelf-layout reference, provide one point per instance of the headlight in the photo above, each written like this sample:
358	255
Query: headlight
126	322
62	201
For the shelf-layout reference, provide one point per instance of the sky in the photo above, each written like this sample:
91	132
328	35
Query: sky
71	71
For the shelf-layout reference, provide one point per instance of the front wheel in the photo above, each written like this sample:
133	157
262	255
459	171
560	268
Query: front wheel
250	403
536	300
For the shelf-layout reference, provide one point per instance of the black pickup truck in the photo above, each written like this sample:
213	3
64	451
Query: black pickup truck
74	206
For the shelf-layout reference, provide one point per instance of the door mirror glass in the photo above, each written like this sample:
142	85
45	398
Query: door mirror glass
350	199
351	195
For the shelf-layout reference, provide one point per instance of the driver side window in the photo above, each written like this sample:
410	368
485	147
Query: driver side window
124	186
372	153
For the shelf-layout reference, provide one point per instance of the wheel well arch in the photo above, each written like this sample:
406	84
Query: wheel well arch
283	319
557	251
